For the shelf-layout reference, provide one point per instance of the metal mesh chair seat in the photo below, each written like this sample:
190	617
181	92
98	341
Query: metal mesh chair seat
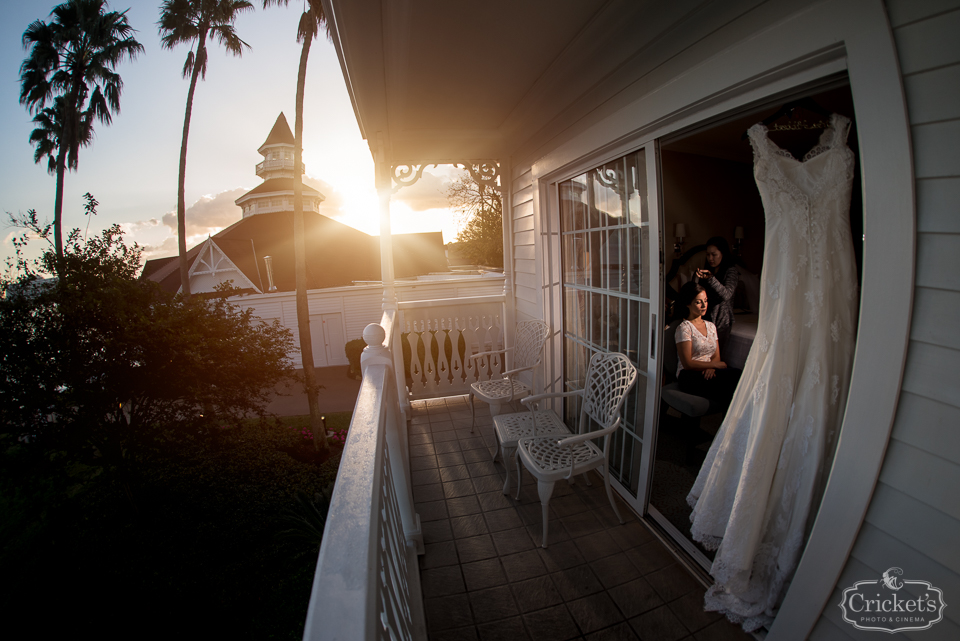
549	459
504	387
510	428
499	389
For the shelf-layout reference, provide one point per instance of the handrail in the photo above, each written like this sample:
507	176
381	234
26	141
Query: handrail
447	302
367	582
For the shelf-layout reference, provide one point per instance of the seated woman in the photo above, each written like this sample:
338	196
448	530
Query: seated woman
699	369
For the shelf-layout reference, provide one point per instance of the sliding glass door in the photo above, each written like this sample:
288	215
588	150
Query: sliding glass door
611	289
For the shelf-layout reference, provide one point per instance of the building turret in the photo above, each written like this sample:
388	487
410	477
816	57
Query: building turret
276	169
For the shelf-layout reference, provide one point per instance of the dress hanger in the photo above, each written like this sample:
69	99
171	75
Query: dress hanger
788	109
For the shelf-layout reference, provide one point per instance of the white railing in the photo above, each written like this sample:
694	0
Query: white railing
277	163
367	582
437	338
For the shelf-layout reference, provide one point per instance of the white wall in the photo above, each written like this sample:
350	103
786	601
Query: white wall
914	518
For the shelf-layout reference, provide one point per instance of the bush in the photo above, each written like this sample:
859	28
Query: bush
101	366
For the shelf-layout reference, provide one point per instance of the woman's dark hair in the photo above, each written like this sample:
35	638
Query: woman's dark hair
684	297
727	261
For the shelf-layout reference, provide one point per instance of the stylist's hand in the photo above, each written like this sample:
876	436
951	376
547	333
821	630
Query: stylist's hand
704	273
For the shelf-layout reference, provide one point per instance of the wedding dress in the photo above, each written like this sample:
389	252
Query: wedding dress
760	486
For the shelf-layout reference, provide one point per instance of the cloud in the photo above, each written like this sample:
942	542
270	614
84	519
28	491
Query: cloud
430	192
142	225
161	250
210	214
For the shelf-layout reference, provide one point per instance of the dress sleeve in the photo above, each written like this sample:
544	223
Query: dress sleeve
725	289
683	333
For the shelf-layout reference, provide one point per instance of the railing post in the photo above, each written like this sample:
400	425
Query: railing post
375	353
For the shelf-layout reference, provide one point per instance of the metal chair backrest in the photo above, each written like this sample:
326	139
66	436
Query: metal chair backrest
609	378
528	346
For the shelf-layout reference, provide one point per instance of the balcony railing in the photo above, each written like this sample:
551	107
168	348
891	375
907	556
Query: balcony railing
279	163
438	337
367	582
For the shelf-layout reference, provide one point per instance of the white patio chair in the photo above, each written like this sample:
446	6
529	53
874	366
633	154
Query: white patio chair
527	350
550	459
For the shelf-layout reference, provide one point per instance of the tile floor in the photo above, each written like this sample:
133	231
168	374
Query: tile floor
485	576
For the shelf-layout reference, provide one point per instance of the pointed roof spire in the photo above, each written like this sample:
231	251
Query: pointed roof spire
280	134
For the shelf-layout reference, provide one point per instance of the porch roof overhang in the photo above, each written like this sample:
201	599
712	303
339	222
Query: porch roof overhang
441	81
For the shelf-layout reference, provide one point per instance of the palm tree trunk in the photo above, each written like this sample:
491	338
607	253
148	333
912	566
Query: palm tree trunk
181	198
300	261
58	203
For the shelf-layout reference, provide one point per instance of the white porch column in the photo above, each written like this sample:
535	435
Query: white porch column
385	189
506	210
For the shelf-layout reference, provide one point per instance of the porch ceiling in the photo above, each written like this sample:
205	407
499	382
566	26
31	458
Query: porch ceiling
446	80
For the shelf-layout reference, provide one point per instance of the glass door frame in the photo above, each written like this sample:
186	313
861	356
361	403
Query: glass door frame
649	362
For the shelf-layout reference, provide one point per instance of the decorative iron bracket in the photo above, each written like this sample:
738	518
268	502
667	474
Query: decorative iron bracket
484	172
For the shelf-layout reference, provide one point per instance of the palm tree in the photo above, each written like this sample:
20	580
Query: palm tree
71	62
187	21
311	21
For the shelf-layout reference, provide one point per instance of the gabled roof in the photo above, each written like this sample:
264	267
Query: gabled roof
337	254
280	134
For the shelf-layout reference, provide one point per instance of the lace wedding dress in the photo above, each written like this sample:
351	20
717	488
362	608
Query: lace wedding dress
759	488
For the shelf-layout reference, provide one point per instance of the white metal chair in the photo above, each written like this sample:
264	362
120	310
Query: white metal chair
550	459
527	350
510	428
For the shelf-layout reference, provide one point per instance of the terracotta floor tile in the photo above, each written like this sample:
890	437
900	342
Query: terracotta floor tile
442	581
436	531
672	582
635	597
536	593
595	612
447	612
462	506
619	632
523	565
551	624
659	624
454	473
689	609
504	630
467	526
511	541
493	604
483	574
476	548
614	570
576	582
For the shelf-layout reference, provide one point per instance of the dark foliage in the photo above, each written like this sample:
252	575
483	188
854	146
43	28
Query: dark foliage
102	366
202	558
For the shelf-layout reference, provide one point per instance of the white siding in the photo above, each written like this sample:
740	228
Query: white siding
914	517
526	282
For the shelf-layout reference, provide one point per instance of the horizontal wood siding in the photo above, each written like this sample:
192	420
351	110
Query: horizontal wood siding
527	303
913	521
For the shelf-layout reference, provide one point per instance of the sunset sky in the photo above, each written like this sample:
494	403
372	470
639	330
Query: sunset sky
131	167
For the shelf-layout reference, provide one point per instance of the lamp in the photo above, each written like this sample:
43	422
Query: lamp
737	238
680	231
